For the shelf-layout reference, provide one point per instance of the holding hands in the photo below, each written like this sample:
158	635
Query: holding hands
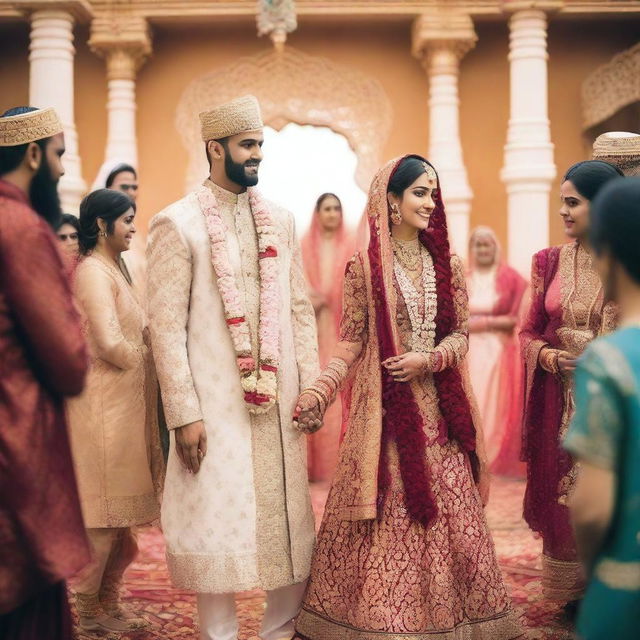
309	413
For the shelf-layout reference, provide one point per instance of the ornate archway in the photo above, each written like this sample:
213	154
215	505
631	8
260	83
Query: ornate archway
611	87
292	86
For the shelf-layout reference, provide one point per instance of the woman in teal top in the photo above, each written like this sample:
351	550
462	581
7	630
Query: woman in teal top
605	433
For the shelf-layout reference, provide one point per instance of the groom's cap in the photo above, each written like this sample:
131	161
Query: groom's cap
237	116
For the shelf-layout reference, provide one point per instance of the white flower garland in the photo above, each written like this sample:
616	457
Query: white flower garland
259	379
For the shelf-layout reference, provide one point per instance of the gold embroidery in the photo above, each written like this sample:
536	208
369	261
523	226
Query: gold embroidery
504	626
563	581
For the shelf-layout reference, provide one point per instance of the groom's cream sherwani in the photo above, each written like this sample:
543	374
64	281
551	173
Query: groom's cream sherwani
245	520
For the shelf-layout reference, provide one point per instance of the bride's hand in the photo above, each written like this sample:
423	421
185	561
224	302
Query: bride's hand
406	367
308	414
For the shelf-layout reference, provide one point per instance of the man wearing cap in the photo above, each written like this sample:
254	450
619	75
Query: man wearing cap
621	149
234	342
43	356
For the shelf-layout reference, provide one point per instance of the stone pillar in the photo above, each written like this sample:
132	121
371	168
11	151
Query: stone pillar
51	84
529	167
440	40
124	46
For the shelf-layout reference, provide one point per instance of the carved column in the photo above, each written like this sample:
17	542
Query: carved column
440	40
124	43
51	57
529	167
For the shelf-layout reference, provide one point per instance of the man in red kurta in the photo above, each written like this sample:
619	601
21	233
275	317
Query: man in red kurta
42	359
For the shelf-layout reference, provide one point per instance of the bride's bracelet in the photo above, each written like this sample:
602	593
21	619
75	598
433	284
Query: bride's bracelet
319	396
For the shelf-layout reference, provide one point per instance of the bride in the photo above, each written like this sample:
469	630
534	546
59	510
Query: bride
404	550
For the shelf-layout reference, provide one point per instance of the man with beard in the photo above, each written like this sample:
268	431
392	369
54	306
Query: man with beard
234	342
43	356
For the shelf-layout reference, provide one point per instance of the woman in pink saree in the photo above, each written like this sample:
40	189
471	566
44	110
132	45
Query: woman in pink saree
567	311
404	549
326	247
495	367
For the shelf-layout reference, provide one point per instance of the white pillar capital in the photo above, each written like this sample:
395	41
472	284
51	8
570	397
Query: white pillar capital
445	34
548	6
79	10
439	41
51	82
125	43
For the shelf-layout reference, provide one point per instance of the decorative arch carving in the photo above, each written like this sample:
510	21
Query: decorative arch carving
611	87
293	86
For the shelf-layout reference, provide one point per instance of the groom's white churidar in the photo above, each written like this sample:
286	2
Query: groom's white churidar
234	342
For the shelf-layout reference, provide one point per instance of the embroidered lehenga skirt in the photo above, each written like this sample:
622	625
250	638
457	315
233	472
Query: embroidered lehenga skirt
394	579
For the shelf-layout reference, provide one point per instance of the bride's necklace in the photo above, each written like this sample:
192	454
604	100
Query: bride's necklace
422	308
407	252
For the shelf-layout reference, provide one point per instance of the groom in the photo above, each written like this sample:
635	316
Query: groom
234	342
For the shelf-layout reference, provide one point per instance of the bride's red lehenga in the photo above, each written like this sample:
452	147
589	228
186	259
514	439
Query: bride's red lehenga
404	550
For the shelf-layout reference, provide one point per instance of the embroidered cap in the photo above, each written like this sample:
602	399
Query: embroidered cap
619	148
241	114
29	127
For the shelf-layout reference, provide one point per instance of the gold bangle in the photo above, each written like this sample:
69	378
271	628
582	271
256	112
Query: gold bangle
316	395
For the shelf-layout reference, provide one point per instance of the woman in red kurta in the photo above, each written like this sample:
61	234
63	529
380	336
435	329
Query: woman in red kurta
326	247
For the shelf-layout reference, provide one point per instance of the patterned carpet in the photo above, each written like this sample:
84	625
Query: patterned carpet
172	615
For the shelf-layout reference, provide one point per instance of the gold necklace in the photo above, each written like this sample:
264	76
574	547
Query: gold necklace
407	253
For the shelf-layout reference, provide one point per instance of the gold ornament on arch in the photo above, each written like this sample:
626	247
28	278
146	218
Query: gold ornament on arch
292	87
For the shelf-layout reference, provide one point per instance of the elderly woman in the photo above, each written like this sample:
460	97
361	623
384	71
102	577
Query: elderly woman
495	297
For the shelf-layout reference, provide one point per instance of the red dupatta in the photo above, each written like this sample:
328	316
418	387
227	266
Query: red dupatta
310	245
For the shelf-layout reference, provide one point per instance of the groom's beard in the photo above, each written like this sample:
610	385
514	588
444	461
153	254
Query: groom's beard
236	171
44	197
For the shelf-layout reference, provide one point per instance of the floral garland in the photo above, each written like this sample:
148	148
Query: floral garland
259	379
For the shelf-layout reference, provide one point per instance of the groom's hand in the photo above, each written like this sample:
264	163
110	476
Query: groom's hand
191	445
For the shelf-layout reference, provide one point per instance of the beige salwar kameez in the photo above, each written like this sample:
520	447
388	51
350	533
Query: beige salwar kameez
113	424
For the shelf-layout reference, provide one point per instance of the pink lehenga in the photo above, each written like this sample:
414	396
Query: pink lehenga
566	313
495	364
324	262
404	550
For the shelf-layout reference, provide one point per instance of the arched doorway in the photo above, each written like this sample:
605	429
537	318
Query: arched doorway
303	161
293	87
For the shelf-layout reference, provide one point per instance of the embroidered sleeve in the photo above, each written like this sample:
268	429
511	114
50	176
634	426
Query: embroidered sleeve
52	331
531	339
596	431
353	328
353	324
453	348
303	316
96	294
609	318
169	290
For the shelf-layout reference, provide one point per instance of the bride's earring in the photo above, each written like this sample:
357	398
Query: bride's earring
396	216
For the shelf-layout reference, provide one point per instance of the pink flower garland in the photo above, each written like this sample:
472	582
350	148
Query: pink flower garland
259	380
